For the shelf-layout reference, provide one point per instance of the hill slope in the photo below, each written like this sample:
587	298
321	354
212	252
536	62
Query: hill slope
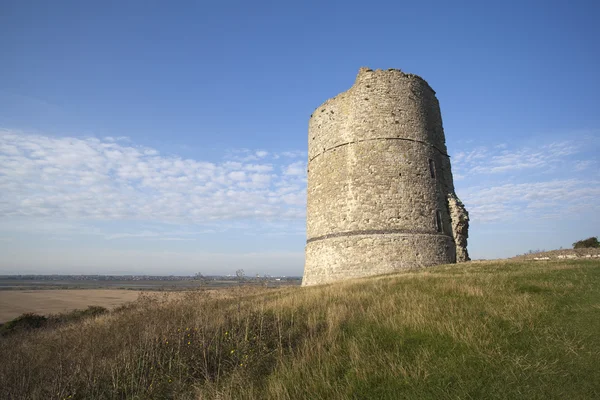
479	330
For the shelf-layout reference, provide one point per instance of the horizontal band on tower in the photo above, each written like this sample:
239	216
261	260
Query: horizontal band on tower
377	232
382	138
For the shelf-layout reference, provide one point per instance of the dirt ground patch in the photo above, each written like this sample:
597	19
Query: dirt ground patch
16	302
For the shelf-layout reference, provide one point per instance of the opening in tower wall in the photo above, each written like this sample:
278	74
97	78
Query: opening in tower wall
438	221
432	168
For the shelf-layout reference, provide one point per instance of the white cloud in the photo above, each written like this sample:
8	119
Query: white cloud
502	158
88	179
258	167
144	234
105	179
237	175
510	182
162	236
552	199
584	164
293	154
297	168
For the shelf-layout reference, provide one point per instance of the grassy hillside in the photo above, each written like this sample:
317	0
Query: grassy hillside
481	330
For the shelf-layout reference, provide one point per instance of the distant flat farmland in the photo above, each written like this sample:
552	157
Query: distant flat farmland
16	302
30	284
19	296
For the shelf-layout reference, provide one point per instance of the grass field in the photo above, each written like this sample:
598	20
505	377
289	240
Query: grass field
493	330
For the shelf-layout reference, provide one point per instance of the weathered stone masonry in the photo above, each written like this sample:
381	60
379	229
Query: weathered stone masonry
380	190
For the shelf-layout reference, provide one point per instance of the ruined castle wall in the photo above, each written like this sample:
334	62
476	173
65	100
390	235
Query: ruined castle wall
373	205
460	227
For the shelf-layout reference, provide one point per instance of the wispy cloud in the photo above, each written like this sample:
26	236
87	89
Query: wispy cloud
503	158
144	235
110	179
246	155
78	180
295	169
550	199
509	182
583	165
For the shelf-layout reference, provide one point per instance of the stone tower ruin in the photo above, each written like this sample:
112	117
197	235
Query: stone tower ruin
380	190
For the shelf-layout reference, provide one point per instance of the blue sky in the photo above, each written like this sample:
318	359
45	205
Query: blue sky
170	137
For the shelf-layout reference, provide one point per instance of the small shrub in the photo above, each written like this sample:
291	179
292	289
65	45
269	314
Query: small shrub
30	321
589	243
22	323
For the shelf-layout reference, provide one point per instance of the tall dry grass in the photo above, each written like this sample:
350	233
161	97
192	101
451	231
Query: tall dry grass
481	330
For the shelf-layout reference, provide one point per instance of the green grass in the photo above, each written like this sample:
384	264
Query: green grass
494	330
